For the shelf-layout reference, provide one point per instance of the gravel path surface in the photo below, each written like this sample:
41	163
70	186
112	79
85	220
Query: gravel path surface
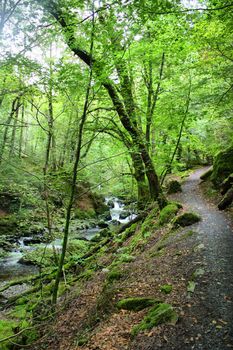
211	315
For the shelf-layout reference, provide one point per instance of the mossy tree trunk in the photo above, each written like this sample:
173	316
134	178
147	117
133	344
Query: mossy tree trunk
122	100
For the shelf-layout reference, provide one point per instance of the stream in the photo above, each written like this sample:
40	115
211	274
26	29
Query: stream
10	266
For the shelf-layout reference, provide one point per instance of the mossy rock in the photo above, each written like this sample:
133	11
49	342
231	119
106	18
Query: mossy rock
186	219
173	186
166	288
222	167
168	213
136	304
161	313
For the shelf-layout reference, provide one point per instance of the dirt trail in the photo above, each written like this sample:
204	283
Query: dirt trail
210	321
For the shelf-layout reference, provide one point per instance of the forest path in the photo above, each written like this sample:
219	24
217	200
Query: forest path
214	290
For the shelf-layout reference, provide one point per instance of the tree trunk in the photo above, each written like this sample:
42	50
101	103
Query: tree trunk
13	134
74	179
14	106
21	132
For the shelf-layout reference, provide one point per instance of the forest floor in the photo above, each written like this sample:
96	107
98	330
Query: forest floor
201	254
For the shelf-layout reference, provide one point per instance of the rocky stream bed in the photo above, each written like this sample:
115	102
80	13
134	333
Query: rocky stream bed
13	265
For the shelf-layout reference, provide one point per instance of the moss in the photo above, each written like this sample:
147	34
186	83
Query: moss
150	223
173	187
20	311
125	258
161	313
82	341
186	219
114	275
6	330
168	213
223	166
128	233
136	304
166	288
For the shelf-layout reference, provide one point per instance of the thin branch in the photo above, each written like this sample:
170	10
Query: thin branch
11	11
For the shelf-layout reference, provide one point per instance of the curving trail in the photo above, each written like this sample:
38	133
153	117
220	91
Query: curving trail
214	290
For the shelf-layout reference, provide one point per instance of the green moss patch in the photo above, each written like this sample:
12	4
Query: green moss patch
168	213
136	304
166	288
186	219
114	275
161	313
6	330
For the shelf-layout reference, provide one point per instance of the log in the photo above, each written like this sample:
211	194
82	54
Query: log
207	174
227	200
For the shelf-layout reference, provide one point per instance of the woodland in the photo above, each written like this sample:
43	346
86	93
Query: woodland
106	108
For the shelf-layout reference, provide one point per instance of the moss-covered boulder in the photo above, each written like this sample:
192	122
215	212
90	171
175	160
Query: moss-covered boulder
136	304
223	166
173	186
161	313
186	219
168	213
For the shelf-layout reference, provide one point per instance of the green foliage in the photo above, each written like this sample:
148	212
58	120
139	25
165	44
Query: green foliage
168	213
84	214
136	304
161	313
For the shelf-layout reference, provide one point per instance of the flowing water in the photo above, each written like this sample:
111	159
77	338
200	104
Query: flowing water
10	266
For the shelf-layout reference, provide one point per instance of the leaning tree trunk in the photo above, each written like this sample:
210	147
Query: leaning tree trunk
122	100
